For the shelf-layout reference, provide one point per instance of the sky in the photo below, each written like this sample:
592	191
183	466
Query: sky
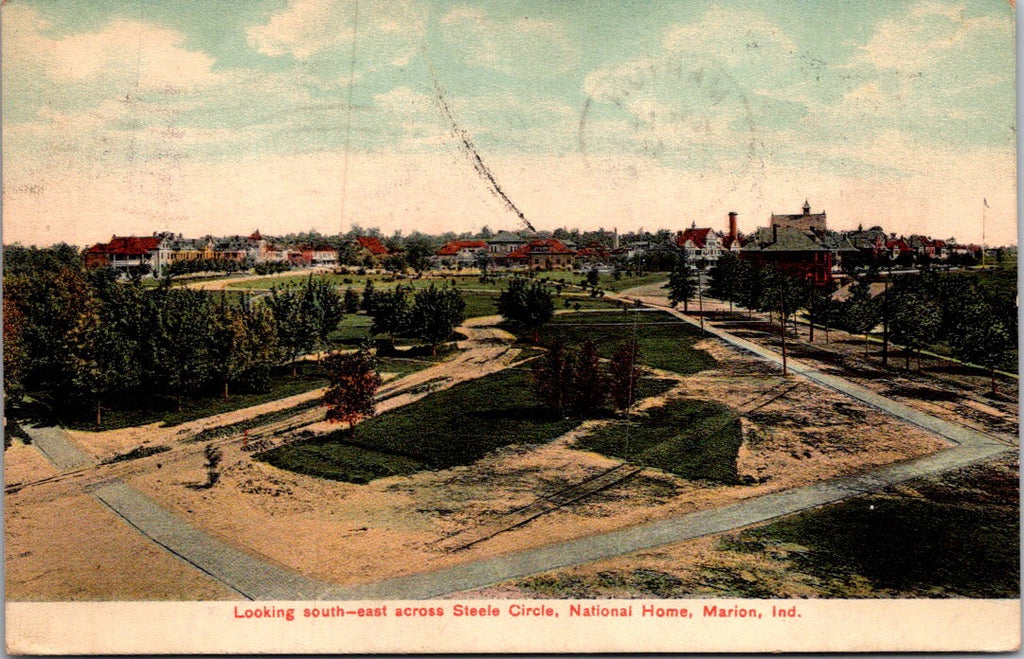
216	117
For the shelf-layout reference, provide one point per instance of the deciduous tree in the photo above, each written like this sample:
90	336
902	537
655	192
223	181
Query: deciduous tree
351	394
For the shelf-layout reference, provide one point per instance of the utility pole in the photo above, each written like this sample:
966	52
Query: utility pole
700	298
885	322
782	325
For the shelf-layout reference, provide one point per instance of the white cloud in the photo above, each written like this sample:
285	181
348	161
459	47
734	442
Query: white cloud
130	54
515	45
308	28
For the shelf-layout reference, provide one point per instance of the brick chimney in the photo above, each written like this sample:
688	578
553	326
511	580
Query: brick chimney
732	226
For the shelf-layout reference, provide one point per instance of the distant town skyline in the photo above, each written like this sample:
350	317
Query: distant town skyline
291	115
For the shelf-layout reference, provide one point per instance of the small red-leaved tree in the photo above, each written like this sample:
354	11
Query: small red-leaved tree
351	394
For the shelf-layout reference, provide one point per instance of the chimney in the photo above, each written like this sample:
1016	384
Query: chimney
732	226
775	233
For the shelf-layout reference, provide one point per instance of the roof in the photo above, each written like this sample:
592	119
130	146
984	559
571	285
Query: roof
783	240
541	246
256	235
506	237
127	245
698	236
456	246
372	244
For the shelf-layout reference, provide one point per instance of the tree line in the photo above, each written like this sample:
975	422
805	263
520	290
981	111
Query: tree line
88	338
973	313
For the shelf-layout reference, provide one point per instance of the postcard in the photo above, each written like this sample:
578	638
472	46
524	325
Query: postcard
349	326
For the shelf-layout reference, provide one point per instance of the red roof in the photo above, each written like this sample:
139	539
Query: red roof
131	245
901	244
455	246
372	244
256	235
698	236
544	246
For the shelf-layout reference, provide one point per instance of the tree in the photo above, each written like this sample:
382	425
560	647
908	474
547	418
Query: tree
390	313
368	296
821	307
589	387
552	375
435	313
984	336
858	314
529	307
624	374
681	285
724	278
321	307
184	328
352	389
914	318
593	276
295	331
351	301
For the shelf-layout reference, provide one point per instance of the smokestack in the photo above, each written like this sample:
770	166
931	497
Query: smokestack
732	226
615	238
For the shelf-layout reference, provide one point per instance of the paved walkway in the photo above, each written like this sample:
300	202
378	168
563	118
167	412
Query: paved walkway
255	578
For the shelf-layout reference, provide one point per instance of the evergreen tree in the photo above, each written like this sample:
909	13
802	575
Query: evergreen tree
351	301
552	375
589	387
681	283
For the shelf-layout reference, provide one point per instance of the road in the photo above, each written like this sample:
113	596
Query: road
258	579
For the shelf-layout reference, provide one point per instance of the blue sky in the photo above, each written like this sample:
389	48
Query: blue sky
209	116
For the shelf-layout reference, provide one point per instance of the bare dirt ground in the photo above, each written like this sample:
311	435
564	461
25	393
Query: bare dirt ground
72	548
361	533
943	388
712	566
351	534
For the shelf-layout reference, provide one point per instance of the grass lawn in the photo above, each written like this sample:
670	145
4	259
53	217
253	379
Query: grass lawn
693	439
452	427
960	538
665	341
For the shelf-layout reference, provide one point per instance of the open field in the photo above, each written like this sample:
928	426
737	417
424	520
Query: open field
692	439
953	535
456	426
665	342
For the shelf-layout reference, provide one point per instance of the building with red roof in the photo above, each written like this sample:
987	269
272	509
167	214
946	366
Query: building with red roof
127	253
459	253
702	244
543	254
373	245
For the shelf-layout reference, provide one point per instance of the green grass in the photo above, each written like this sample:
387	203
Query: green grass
456	426
909	547
136	453
665	341
694	439
610	284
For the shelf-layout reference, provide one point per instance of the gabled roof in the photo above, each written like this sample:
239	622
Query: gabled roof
506	237
372	244
456	246
698	236
783	240
132	245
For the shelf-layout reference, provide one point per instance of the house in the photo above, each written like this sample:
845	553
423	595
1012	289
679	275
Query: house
792	251
699	244
128	253
459	254
318	255
543	254
504	243
806	221
186	249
